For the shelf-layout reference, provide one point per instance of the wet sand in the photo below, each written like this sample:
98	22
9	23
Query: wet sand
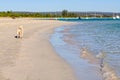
33	57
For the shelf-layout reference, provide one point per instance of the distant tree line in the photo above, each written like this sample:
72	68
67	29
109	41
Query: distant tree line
64	13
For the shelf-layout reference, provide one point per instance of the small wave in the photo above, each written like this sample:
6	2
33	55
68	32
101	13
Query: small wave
86	54
107	72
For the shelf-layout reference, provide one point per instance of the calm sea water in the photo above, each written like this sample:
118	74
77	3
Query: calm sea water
97	36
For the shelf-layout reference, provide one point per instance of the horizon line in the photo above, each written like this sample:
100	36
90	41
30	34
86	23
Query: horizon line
61	11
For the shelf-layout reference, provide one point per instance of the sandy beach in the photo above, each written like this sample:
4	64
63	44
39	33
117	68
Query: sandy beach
33	57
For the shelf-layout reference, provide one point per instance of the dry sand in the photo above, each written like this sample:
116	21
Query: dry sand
33	57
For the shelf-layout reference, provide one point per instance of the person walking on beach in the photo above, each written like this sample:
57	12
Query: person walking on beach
20	32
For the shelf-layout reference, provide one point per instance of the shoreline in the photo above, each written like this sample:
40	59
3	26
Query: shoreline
80	55
81	61
33	57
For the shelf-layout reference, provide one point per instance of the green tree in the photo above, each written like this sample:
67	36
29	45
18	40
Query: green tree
9	12
64	13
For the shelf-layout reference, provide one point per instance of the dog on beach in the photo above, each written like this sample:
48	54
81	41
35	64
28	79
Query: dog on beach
19	32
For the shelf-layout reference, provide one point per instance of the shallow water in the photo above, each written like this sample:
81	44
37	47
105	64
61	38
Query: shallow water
98	36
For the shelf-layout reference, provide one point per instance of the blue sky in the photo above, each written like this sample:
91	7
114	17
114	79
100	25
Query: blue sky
59	5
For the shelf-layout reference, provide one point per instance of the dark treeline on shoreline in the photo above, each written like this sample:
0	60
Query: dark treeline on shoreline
63	13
